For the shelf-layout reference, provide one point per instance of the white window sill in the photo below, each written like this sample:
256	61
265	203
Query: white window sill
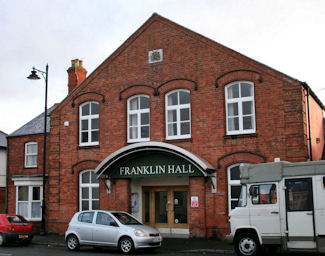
138	140
178	137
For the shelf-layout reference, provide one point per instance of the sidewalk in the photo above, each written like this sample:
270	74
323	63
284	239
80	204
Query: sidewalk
189	245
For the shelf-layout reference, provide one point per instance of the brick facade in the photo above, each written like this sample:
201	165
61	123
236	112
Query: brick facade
192	62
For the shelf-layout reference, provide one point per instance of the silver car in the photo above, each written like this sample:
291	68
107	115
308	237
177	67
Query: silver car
110	228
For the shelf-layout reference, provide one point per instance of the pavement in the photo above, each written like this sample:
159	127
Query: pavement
186	245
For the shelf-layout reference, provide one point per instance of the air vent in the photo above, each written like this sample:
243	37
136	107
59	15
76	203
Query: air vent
155	56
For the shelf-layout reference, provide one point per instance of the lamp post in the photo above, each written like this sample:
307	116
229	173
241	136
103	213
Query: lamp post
34	76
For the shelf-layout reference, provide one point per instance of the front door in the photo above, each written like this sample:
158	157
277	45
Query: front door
166	207
300	212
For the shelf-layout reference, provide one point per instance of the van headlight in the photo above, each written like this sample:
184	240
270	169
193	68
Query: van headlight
138	232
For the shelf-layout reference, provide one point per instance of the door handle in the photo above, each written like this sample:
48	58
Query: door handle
309	213
275	212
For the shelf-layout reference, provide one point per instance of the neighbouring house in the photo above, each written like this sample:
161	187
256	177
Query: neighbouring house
3	170
159	130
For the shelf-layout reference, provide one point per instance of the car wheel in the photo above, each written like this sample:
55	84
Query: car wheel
126	245
247	244
2	240
73	243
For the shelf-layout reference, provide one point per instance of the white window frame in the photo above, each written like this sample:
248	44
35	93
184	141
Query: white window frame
30	154
29	182
240	101
89	186
137	112
178	115
89	118
230	184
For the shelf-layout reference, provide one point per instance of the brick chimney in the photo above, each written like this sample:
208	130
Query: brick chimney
76	74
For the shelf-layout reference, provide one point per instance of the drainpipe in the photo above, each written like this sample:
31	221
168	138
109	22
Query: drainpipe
310	148
6	196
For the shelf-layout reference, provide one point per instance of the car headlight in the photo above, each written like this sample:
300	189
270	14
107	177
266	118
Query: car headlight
138	232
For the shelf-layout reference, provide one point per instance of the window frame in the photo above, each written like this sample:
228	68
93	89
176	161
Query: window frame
89	130
89	186
30	200
30	154
239	101
138	112
178	108
231	183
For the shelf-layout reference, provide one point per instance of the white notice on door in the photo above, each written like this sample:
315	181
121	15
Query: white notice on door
194	201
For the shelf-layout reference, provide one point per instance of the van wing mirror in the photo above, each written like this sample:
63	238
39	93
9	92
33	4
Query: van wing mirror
324	181
254	191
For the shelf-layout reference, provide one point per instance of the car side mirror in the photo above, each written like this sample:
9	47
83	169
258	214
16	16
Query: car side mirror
324	181
113	223
254	191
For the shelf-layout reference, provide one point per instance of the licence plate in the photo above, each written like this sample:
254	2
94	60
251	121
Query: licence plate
23	236
156	239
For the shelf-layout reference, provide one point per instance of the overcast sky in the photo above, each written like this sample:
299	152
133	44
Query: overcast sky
287	35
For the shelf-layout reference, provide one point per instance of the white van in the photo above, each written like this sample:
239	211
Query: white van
281	207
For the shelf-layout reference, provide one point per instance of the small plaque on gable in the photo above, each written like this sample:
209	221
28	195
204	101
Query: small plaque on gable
155	56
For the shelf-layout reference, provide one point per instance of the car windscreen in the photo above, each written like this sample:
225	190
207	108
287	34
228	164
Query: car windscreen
14	219
126	219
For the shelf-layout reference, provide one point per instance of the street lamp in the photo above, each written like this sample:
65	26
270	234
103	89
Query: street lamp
34	76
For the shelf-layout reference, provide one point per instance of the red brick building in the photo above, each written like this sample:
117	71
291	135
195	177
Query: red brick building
159	130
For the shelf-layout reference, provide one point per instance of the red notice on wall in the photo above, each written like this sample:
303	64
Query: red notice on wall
194	201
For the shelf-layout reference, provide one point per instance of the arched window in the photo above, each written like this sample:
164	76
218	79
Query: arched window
89	124
138	118
178	115
240	109
233	186
31	155
89	191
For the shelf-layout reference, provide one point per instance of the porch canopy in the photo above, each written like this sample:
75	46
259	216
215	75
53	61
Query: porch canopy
153	159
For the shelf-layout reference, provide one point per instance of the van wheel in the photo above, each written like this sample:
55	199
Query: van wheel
246	244
126	245
73	243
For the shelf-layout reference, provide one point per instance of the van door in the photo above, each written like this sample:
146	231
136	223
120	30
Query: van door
300	213
264	212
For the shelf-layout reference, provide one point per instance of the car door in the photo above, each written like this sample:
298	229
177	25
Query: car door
105	229
264	211
300	213
85	226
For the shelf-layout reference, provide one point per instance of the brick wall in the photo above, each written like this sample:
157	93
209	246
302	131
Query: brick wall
190	62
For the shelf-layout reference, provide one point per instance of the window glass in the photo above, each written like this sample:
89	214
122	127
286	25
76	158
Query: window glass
266	194
144	102
36	209
103	219
299	195
173	99
234	187
86	217
36	193
94	108
134	104
86	177
246	90
233	91
85	110
23	193
184	97
235	173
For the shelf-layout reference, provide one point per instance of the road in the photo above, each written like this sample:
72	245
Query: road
35	250
40	250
